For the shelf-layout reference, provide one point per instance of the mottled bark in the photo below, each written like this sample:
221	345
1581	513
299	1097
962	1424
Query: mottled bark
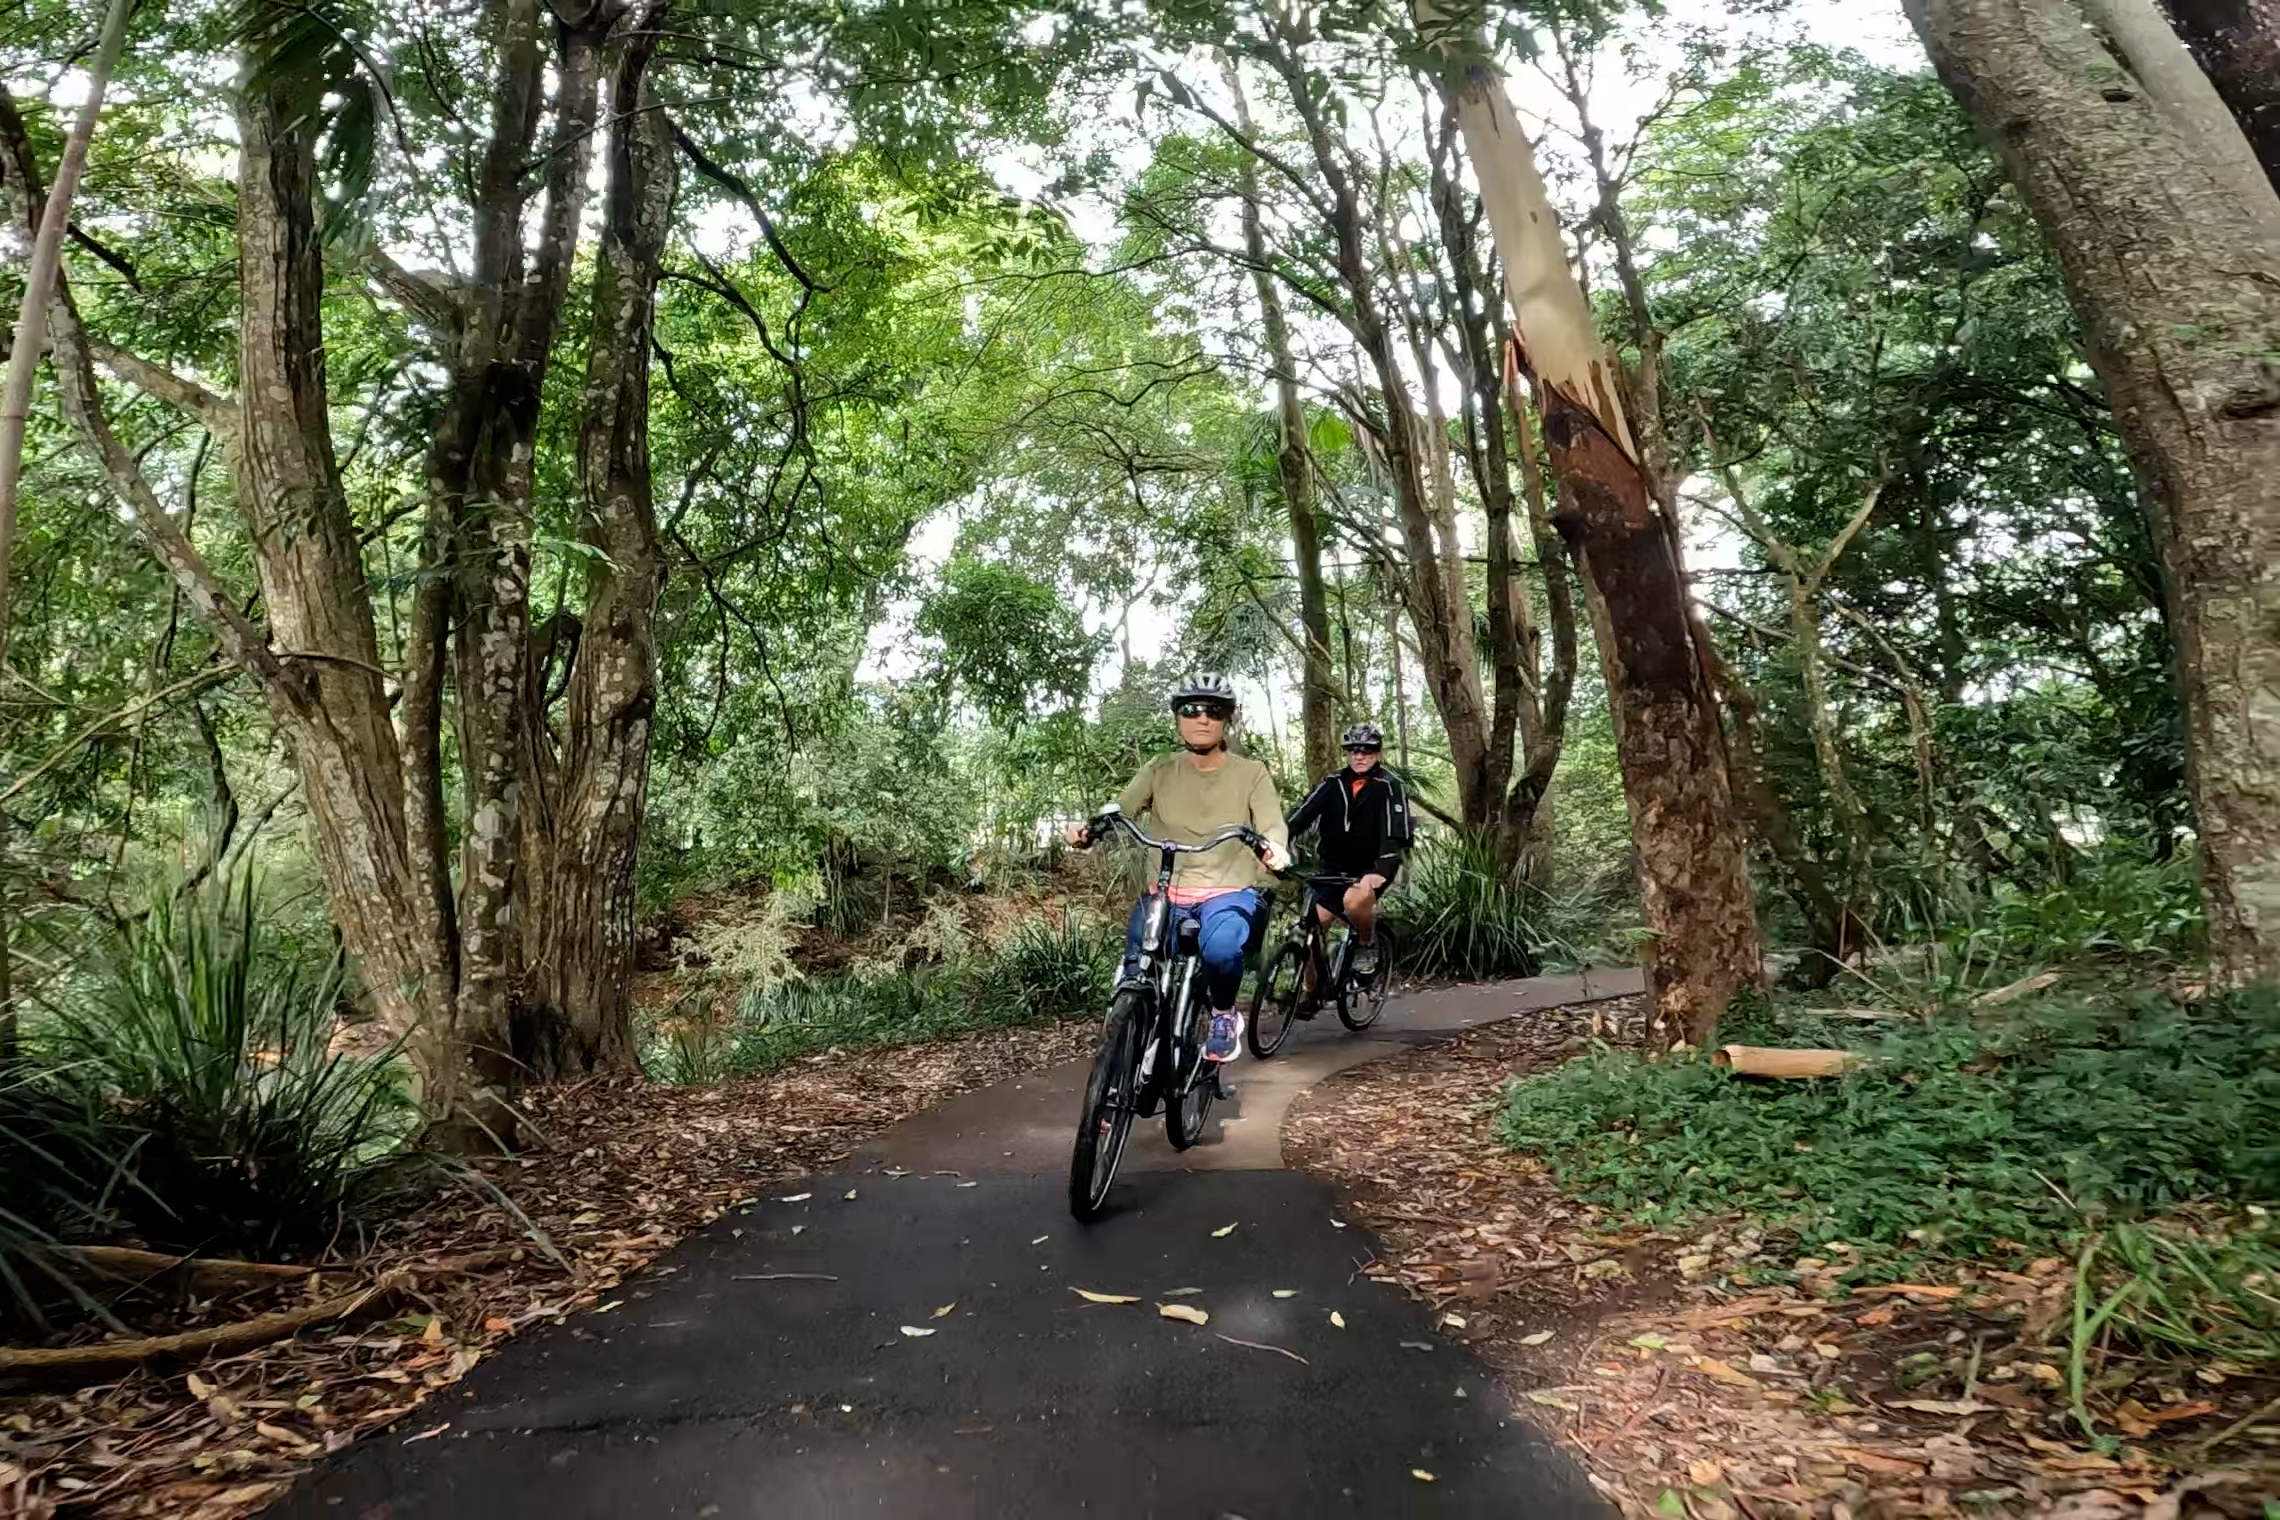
1694	881
2177	281
574	1011
493	537
314	589
1528	805
2237	42
1430	583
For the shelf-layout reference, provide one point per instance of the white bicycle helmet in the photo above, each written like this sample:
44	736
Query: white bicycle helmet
1204	687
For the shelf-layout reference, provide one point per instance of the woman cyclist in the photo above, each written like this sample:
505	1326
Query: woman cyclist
1192	793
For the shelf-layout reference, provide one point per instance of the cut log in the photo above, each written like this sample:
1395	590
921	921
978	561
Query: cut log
85	1364
1773	1061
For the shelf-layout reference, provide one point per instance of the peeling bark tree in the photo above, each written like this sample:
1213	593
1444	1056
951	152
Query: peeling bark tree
1693	876
2177	279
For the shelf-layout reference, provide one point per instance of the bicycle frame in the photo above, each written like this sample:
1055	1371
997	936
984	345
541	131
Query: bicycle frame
1155	968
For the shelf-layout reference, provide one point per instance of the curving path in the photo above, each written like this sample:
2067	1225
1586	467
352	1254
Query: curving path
762	1369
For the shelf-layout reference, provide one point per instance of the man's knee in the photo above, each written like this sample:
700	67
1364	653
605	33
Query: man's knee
1360	900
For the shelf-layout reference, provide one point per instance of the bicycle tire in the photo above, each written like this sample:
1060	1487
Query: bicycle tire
1110	1098
1189	1107
1360	1005
1273	1002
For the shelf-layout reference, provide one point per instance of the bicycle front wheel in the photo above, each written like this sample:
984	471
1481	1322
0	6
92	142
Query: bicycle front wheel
1275	1002
1362	998
1111	1095
1194	1083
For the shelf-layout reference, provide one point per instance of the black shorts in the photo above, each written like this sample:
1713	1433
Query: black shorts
1330	894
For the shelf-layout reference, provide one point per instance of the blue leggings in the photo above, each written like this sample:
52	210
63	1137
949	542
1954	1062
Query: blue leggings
1226	920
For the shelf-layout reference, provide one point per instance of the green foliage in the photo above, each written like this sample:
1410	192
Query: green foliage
2207	1293
2114	902
1048	969
1009	643
1964	1136
63	1177
1462	916
205	1052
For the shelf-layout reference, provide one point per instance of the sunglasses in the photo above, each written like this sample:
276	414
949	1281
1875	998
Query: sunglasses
1364	749
1215	711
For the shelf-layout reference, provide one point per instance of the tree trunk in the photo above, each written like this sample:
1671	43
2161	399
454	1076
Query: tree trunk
1294	466
2237	42
1693	878
574	1012
2177	280
314	590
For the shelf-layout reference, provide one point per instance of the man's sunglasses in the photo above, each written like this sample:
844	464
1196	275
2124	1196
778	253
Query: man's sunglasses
1217	710
1364	749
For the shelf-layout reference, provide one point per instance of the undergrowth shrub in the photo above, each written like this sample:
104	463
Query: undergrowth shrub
1047	969
61	1177
1991	1136
2117	903
1459	915
202	1048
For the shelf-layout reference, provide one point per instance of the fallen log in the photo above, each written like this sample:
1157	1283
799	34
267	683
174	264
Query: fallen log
199	1274
1773	1061
109	1358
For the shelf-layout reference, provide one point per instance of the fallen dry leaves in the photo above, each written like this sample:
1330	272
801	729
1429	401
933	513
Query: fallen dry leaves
1692	1395
629	1169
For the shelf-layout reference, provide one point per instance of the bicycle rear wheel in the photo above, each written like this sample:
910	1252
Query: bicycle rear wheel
1274	1003
1194	1083
1362	999
1111	1095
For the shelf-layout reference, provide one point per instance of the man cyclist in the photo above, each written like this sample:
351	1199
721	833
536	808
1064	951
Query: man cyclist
1193	793
1364	817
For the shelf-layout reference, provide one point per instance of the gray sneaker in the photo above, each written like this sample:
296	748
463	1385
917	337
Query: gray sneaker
1366	959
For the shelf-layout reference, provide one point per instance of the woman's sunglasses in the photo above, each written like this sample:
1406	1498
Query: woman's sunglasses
1211	710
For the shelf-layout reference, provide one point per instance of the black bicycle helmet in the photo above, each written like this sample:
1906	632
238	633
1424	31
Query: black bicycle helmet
1362	736
1204	687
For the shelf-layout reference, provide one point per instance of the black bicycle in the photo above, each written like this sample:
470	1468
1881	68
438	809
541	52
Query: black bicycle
1305	966
1163	1007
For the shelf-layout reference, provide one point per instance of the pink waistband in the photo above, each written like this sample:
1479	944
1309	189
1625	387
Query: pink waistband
1188	897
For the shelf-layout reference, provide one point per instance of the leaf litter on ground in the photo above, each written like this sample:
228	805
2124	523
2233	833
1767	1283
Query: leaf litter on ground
631	1169
1655	1329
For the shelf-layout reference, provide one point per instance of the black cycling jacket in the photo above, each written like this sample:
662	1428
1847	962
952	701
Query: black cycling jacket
1362	831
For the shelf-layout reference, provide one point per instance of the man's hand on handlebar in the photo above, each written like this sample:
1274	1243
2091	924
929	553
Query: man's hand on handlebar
1078	834
1276	857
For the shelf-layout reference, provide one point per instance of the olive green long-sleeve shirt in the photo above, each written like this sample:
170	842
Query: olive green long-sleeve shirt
1189	805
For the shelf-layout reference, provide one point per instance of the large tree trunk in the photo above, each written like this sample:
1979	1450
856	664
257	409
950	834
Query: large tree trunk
574	1012
1693	878
2177	278
2237	43
494	540
315	593
1294	466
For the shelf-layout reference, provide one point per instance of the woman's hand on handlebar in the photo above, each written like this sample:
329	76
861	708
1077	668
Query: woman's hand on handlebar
1078	834
1277	858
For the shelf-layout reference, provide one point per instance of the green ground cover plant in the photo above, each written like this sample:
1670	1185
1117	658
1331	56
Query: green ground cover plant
1985	1133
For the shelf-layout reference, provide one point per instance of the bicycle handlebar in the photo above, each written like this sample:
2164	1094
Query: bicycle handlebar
1242	831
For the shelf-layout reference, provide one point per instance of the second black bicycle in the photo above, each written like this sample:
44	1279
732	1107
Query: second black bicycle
1306	967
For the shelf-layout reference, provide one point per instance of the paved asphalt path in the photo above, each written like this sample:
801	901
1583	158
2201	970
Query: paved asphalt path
762	1369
